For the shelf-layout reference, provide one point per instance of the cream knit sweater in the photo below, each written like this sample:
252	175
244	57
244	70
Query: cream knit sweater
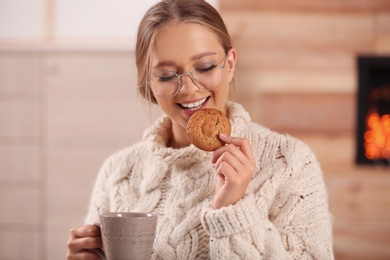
284	214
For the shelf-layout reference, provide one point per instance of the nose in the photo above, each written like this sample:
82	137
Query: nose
188	83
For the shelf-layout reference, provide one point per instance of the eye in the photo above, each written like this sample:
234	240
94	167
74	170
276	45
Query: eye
205	67
166	79
165	76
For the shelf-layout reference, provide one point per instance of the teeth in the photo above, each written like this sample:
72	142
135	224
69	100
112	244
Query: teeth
195	104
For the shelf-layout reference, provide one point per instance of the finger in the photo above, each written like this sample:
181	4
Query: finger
218	152
85	231
232	149
244	167
231	159
83	255
81	244
226	171
242	143
84	237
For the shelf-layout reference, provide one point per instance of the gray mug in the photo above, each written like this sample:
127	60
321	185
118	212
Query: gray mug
127	235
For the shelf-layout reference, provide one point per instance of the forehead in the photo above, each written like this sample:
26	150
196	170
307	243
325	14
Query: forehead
180	42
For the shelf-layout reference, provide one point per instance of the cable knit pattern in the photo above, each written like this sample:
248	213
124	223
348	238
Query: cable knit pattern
284	214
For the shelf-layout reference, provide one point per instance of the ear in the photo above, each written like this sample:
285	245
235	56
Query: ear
231	60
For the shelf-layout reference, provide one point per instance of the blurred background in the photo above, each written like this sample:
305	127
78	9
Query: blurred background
68	100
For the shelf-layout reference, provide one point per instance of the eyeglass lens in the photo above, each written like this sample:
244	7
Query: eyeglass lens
167	83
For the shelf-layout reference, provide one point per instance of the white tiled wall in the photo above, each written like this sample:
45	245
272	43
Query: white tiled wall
72	18
21	244
61	114
19	162
21	189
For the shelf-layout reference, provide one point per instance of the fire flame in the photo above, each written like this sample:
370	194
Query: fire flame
377	137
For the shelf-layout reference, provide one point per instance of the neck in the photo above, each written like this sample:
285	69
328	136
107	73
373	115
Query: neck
179	137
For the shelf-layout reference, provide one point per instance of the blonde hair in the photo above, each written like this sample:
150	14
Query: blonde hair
167	12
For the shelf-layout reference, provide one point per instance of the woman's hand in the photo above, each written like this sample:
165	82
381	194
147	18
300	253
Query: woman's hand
82	242
235	167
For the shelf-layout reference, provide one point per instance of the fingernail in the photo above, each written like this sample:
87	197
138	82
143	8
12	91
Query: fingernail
223	135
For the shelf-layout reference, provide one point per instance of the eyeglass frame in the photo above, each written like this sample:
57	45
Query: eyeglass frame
180	84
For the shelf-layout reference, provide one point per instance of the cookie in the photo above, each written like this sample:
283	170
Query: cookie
204	126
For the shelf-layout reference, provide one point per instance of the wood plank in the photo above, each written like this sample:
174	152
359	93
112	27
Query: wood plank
357	240
301	31
290	112
296	80
285	58
307	5
316	52
361	197
381	45
381	38
382	23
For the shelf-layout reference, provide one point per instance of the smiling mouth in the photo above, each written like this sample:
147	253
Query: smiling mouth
195	105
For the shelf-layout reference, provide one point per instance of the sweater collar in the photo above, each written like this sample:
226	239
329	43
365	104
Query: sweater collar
239	118
157	137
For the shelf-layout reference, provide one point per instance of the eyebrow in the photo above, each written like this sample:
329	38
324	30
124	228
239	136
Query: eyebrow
203	54
193	58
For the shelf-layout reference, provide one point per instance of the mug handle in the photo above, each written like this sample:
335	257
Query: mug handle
99	251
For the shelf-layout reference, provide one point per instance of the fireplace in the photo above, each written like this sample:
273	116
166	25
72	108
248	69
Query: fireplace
373	122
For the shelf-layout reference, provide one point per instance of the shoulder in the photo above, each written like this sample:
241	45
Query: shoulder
122	161
260	135
270	146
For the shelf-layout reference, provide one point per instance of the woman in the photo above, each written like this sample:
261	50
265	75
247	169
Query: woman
261	196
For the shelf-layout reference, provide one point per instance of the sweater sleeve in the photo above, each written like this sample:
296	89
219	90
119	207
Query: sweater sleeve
287	218
114	168
106	191
99	199
237	232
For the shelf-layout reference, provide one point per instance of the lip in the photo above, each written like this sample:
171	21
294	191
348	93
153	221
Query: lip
188	112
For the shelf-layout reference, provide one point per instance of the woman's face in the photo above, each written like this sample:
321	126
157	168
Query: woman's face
179	48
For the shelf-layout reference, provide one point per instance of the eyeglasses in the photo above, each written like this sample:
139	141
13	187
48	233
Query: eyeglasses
167	84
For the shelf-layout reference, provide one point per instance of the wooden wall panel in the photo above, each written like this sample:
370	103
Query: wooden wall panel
361	241
290	58
319	113
362	197
308	5
382	23
302	31
296	80
297	73
381	39
298	51
382	44
303	46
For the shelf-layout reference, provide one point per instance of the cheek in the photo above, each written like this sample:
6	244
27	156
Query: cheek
162	103
223	91
230	73
167	106
228	81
